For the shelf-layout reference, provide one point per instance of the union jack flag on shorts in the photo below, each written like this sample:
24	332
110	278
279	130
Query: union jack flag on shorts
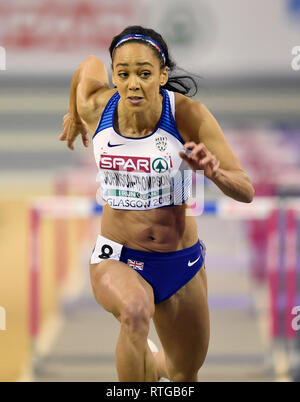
135	264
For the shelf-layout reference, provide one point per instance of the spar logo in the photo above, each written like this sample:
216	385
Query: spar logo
125	163
132	164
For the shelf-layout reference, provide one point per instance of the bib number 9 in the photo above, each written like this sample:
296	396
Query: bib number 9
106	251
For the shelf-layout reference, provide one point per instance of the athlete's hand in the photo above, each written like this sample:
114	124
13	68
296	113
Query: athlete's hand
72	128
201	159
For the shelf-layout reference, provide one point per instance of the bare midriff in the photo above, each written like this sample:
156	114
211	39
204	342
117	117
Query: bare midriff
159	230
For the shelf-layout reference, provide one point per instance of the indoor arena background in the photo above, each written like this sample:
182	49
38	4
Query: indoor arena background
248	55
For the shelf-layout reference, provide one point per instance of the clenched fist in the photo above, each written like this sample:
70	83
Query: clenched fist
199	158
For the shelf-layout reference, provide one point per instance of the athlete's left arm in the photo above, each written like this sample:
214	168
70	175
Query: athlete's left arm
211	151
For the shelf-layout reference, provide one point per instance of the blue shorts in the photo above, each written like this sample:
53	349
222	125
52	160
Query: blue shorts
165	272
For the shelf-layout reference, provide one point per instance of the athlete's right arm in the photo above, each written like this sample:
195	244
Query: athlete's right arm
89	83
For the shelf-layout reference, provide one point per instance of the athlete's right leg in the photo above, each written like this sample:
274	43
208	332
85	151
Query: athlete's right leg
124	293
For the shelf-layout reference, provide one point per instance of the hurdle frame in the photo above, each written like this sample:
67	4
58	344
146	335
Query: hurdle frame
262	208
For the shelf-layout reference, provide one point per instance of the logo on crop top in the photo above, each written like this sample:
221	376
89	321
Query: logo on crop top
113	145
125	163
161	142
160	165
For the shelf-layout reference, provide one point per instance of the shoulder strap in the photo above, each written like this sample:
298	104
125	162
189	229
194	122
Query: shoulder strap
172	101
167	121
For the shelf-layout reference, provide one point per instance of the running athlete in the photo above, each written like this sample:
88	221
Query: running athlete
148	262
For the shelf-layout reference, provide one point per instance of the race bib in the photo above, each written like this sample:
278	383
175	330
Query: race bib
105	249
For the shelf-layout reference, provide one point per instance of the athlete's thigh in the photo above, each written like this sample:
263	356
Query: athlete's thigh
116	285
182	324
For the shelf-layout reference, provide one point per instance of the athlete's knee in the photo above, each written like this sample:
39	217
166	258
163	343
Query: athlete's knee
185	376
187	372
135	317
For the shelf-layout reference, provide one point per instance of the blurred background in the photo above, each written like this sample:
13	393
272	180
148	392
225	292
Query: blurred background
248	55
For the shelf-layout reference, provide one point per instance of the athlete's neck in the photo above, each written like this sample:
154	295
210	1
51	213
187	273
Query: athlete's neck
138	124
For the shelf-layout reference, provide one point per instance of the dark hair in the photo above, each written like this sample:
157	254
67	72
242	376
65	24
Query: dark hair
183	84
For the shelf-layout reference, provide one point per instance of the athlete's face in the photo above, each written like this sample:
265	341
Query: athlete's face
138	75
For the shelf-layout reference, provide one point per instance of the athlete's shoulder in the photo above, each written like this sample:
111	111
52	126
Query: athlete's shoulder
106	95
189	113
102	100
184	104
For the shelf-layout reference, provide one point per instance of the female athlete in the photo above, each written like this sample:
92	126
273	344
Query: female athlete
148	262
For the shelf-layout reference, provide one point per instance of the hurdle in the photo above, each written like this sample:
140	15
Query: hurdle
59	208
282	260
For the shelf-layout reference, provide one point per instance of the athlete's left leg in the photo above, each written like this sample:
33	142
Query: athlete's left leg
182	324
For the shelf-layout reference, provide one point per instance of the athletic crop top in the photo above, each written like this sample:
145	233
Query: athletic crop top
141	173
